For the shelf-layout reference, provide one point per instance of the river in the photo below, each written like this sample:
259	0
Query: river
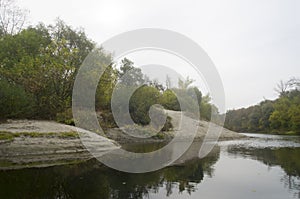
263	166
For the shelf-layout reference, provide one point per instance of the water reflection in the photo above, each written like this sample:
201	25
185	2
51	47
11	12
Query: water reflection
237	169
287	158
91	180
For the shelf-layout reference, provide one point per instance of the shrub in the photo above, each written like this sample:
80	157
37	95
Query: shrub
168	125
65	117
140	103
14	101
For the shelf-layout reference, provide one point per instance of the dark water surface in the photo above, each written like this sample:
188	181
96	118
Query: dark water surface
264	166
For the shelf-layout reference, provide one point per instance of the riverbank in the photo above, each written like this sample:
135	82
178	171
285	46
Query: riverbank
258	160
30	143
182	131
287	133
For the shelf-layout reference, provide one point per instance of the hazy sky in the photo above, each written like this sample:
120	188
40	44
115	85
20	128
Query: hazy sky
253	43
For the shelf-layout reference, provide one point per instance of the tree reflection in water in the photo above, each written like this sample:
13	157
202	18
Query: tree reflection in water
92	180
287	158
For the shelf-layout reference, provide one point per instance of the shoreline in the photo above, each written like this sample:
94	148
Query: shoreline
32	143
288	133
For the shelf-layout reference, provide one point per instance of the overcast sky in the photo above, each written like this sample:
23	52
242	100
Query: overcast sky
253	43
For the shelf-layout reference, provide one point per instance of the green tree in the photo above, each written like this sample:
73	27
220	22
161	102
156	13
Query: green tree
140	103
130	75
75	39
44	61
14	101
205	108
195	93
266	111
105	88
278	116
48	77
169	100
254	118
29	42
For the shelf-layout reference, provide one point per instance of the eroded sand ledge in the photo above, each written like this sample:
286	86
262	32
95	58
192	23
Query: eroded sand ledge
184	130
45	148
39	144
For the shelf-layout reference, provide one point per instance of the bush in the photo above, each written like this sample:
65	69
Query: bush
65	117
169	101
15	102
140	103
106	119
168	125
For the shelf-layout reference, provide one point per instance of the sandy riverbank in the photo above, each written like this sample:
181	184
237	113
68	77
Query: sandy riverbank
183	130
30	143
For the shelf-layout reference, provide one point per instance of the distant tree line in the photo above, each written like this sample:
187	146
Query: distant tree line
278	116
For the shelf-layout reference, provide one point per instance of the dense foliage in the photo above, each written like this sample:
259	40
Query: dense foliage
279	116
42	61
38	66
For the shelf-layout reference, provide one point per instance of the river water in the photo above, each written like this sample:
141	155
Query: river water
262	166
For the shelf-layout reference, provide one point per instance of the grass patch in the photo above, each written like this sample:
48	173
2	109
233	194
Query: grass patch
277	132
10	136
27	134
71	134
160	136
6	136
290	133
